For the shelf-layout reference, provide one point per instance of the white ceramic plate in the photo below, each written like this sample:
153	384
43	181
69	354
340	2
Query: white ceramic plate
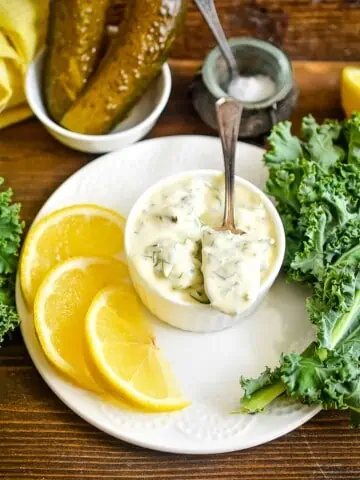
208	366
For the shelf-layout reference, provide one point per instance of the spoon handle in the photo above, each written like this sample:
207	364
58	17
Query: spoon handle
229	113
208	10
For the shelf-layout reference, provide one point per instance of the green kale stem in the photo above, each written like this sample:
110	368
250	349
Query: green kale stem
260	399
343	323
263	397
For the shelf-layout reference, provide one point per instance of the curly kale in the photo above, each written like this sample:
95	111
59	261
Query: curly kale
11	229
315	181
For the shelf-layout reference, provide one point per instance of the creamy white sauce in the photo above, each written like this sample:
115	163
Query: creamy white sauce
176	250
232	266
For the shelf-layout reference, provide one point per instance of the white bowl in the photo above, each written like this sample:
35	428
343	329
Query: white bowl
139	122
197	317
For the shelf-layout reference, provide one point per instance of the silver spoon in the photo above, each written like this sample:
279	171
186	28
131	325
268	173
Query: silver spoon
208	10
229	113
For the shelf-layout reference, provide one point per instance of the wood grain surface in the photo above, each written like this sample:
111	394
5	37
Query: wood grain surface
305	29
41	439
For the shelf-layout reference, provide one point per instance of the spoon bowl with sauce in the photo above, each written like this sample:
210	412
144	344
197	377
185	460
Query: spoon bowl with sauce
226	256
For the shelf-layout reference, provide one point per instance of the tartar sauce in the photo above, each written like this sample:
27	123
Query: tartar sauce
232	266
176	249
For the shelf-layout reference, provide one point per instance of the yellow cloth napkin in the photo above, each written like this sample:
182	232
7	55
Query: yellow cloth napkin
22	33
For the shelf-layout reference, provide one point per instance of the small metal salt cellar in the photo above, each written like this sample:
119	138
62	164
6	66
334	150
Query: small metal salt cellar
253	57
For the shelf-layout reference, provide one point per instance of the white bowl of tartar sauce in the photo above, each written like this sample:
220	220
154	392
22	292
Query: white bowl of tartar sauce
187	274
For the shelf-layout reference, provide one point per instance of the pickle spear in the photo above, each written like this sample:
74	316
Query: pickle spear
75	36
133	60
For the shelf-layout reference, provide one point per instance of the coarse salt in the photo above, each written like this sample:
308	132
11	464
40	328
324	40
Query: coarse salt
252	89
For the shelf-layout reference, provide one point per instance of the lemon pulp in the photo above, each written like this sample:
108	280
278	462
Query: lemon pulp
60	309
350	89
79	230
123	353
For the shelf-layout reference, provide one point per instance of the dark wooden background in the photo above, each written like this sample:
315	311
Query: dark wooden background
305	29
40	439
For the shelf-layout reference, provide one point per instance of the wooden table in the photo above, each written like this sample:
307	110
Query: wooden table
41	439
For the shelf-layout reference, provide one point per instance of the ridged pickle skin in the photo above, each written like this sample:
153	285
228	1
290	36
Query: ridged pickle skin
76	32
133	60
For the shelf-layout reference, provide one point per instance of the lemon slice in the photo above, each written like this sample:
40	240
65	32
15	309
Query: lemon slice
123	353
350	89
60	309
80	230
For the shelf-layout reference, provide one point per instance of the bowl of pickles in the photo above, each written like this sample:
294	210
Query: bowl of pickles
97	92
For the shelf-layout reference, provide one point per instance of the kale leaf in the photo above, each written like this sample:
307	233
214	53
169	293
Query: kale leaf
11	229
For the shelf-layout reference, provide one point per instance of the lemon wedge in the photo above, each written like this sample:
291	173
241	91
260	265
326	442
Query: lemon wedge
60	309
80	230
123	354
350	90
